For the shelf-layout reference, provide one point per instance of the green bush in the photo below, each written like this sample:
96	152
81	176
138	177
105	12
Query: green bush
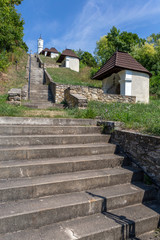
93	71
4	61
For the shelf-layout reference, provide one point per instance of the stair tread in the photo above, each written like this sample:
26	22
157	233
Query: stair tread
56	136
45	161
111	222
10	209
59	178
70	146
23	121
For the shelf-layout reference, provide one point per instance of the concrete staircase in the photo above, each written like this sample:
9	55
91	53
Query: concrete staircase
40	94
61	179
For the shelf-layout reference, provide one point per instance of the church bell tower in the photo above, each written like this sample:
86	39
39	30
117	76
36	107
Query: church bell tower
40	45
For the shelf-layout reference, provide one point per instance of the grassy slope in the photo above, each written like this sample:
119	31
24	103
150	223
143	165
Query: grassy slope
49	60
67	76
14	77
142	117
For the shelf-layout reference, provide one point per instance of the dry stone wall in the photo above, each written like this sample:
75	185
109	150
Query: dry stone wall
90	93
75	100
144	150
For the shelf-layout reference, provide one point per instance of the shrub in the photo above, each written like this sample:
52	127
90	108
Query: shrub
4	62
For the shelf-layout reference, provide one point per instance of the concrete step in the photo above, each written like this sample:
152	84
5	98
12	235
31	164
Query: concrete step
30	140
43	105
45	130
49	151
39	91
37	87
76	204
47	121
41	97
123	223
38	94
34	187
38	167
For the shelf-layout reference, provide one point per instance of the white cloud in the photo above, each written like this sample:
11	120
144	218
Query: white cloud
98	16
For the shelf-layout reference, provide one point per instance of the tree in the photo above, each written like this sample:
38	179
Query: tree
11	26
88	59
79	53
149	56
113	41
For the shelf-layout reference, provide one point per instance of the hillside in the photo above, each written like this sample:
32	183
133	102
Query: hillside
15	75
67	76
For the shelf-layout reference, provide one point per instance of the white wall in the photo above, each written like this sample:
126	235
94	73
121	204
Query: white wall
132	83
73	63
126	82
140	87
54	55
40	45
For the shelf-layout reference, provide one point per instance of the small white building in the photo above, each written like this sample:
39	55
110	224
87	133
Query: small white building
69	59
44	52
53	53
123	75
40	45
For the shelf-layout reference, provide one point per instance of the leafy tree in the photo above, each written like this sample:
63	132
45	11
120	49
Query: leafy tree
113	41
145	55
79	53
11	26
88	59
102	52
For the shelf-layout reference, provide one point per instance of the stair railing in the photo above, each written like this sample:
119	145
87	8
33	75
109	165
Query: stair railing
29	80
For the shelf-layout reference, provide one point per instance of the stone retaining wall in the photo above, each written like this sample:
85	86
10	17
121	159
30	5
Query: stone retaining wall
75	100
143	149
90	93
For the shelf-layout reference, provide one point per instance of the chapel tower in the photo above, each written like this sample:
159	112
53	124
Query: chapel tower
40	45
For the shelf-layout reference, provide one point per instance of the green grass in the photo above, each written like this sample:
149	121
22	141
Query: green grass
7	109
142	117
15	76
48	60
67	76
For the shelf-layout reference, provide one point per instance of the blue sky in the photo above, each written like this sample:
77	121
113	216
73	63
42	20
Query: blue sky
80	23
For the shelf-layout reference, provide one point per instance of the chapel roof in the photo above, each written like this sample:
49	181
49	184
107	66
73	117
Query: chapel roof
53	50
118	62
67	52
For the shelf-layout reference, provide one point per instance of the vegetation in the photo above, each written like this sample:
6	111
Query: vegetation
48	60
15	75
67	76
86	58
145	51
113	41
141	117
11	32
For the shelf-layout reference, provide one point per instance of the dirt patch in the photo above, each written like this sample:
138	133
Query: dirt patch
44	113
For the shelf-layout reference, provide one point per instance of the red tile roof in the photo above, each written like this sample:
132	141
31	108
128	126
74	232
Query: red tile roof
119	61
67	52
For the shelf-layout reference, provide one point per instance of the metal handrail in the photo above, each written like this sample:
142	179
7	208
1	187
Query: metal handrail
29	80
